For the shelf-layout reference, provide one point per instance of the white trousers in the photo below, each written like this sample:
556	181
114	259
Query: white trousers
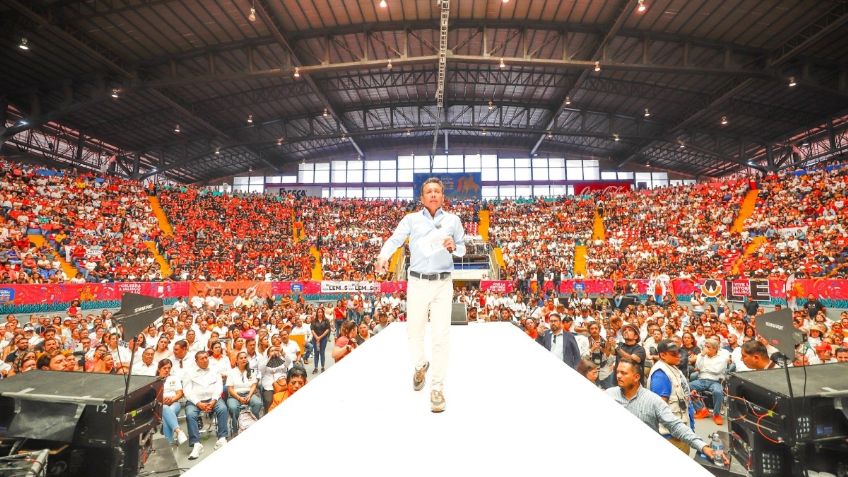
431	298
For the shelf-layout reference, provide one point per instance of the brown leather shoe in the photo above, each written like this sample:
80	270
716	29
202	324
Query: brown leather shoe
420	376
437	401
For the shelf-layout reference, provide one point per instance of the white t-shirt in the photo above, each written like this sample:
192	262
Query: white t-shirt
239	381
172	385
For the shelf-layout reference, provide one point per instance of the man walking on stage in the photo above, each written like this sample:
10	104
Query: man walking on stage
433	236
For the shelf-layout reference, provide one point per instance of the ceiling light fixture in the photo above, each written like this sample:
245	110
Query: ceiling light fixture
491	105
485	132
249	168
568	100
642	7
647	113
389	64
115	92
505	1
550	135
383	4
297	72
724	121
615	137
252	16
24	44
597	66
408	132
682	144
792	82
249	119
279	141
502	65
326	113
217	150
177	128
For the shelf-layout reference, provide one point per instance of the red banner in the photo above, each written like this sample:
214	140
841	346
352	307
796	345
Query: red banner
602	187
499	286
228	291
67	292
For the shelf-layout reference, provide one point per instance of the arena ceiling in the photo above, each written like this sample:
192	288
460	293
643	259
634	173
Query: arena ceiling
697	86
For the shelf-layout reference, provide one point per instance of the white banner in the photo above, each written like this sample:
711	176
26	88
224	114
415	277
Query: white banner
349	287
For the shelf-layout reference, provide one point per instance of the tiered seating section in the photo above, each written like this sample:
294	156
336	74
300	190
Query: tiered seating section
100	224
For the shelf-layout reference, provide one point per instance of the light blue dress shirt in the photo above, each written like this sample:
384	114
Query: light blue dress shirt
416	227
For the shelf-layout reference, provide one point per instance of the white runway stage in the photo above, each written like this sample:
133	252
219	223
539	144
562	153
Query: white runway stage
512	409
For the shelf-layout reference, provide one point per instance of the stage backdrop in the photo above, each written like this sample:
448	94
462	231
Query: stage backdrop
458	186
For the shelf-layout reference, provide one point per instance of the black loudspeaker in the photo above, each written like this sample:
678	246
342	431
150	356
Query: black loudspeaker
764	437
459	314
85	417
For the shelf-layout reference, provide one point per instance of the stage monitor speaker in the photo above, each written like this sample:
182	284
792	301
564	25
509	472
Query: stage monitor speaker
766	441
84	414
459	314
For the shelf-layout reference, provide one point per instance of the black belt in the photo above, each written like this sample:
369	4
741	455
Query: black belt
430	276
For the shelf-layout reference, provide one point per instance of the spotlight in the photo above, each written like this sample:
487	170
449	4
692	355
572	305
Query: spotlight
217	151
249	119
597	66
550	135
177	129
389	64
615	137
24	44
383	4
502	65
408	132
326	113
647	163
115	93
642	7
485	132
279	141
252	16
505	1
647	113
724	120
297	72
249	168
682	144
792	82
491	105
568	100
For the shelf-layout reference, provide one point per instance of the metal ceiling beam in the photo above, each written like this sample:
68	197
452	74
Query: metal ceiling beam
624	12
270	22
458	24
823	26
106	58
444	18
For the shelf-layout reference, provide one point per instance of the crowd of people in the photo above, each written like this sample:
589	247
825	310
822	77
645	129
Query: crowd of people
233	237
100	224
802	218
349	232
537	238
682	231
216	359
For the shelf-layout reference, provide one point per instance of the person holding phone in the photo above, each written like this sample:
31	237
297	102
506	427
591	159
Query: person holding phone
435	237
346	342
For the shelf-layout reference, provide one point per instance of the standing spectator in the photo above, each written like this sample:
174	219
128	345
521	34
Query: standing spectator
320	334
561	343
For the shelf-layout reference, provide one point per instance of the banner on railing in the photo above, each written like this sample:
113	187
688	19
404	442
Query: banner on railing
228	291
47	298
349	287
602	187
